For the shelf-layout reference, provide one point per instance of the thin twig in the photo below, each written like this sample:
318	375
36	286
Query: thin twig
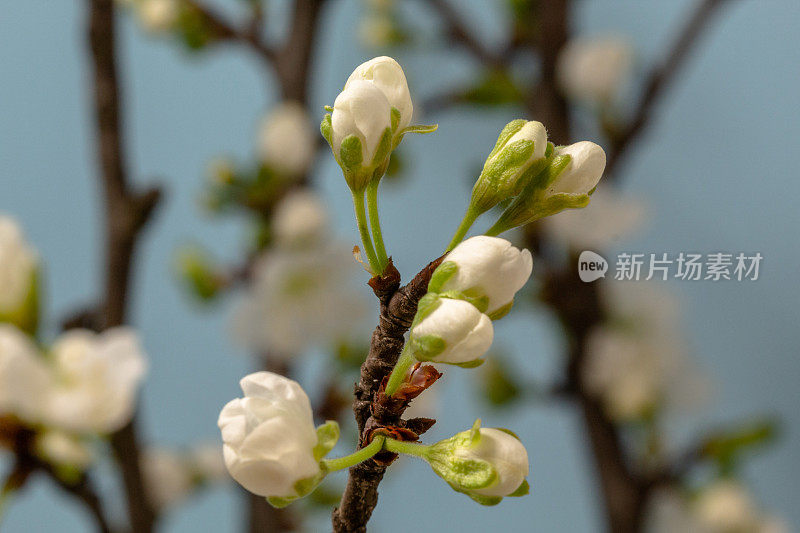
458	31
661	77
126	213
225	31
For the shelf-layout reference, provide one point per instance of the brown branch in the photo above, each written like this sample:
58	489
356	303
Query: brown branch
397	308
293	60
661	77
458	31
126	213
225	31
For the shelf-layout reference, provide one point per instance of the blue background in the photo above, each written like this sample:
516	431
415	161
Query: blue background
719	167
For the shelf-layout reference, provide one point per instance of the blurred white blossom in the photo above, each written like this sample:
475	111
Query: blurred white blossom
299	298
96	377
593	70
24	375
157	16
17	266
300	220
167	478
62	448
287	140
610	217
269	436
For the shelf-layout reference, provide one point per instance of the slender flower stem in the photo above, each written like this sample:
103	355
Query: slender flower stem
363	230
404	362
356	457
408	448
375	224
469	219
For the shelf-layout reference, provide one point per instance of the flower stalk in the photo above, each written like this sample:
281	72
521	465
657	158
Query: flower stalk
359	456
363	230
375	225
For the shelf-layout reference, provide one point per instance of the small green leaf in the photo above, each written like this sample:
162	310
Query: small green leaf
420	128
485	500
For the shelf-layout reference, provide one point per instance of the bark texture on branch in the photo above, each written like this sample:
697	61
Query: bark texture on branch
397	308
126	213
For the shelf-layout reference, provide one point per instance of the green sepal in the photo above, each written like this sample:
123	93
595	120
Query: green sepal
509	432
557	165
441	275
485	500
468	364
508	131
26	315
475	432
301	488
523	490
395	118
420	128
350	154
501	174
548	152
384	148
327	437
427	347
479	301
328	108
463	474
278	502
500	312
326	128
427	305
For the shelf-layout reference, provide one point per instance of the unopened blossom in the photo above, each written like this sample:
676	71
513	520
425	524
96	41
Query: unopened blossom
62	448
583	172
96	380
300	220
157	16
502	458
726	507
594	69
611	217
299	298
269	436
387	75
454	332
208	463
287	139
363	112
167	477
24	375
520	148
486	267
17	266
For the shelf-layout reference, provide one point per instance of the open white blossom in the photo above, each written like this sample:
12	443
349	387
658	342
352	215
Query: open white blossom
299	298
24	375
726	507
96	379
594	69
61	448
362	110
300	220
17	266
455	332
488	267
287	139
387	75
157	16
639	360
269	436
167	477
610	217
583	172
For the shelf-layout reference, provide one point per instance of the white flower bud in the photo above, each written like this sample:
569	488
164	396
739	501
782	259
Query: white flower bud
24	376
584	170
166	477
269	436
388	76
361	110
520	146
454	332
593	69
157	16
485	267
287	139
724	507
300	219
60	448
487	464
97	377
17	267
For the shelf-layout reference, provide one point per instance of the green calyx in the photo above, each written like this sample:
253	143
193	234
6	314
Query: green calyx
442	275
26	315
500	312
426	347
327	437
445	271
501	175
450	460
